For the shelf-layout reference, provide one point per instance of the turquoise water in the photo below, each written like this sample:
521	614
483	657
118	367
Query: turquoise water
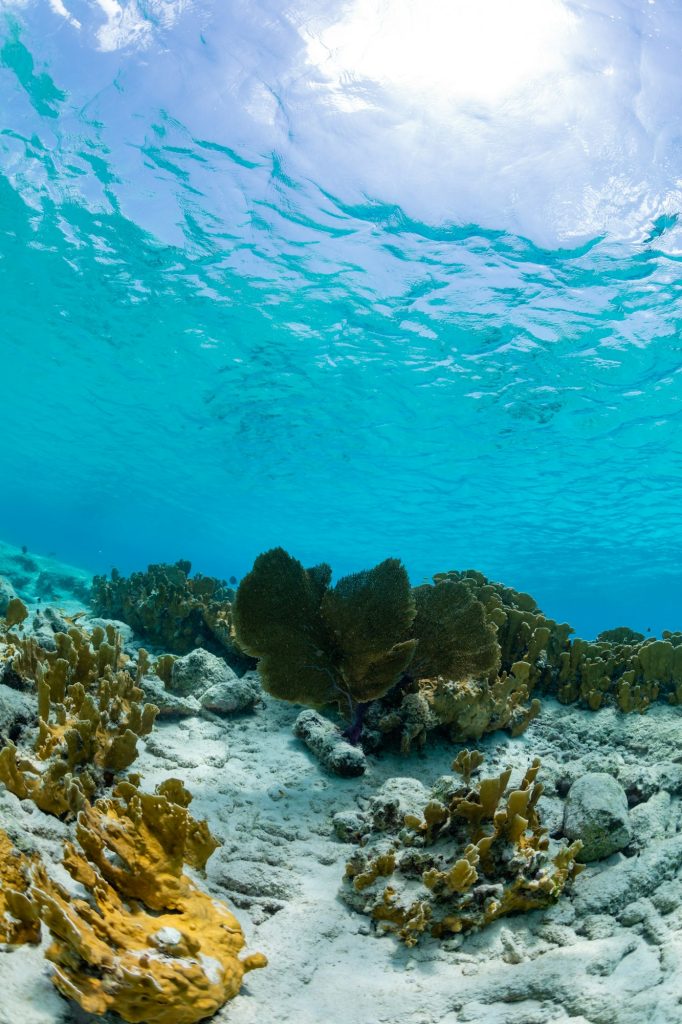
246	305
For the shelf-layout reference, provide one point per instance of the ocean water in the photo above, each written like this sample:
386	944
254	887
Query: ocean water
360	279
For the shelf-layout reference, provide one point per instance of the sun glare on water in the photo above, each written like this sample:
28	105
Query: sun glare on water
462	51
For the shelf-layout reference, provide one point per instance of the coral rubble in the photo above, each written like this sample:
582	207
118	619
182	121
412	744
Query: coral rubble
330	747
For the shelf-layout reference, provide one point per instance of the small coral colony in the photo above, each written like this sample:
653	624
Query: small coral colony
392	664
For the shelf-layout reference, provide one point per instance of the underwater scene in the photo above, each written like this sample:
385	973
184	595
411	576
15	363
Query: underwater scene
340	618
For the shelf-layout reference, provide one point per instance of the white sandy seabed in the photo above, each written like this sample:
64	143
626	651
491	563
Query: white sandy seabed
610	952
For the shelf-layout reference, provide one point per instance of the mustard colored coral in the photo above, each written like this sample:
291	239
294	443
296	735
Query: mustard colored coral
19	921
91	715
146	942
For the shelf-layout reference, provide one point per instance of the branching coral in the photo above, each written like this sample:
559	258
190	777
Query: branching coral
621	667
146	943
476	853
631	674
91	715
172	609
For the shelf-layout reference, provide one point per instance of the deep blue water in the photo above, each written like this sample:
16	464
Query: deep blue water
270	281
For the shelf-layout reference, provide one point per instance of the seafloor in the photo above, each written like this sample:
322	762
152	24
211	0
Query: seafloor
609	952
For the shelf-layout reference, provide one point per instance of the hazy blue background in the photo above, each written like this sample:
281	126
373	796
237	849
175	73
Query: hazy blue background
363	279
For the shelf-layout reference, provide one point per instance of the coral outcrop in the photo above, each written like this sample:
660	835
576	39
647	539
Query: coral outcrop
172	609
631	674
621	667
475	853
146	942
464	709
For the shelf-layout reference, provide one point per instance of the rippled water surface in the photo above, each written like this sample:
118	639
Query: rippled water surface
268	278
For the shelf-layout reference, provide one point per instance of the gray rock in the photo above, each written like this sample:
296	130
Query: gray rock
610	890
652	820
596	812
7	592
325	741
122	628
16	709
349	826
232	694
252	878
43	626
169	704
197	672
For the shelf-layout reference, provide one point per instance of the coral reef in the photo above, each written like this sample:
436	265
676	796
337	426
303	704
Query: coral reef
319	644
398	661
91	715
621	667
173	610
631	675
475	853
146	942
19	921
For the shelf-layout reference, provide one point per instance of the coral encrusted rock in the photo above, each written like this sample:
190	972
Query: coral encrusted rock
475	852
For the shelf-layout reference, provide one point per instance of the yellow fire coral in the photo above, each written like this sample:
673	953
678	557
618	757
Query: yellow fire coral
19	921
90	718
147	943
475	854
